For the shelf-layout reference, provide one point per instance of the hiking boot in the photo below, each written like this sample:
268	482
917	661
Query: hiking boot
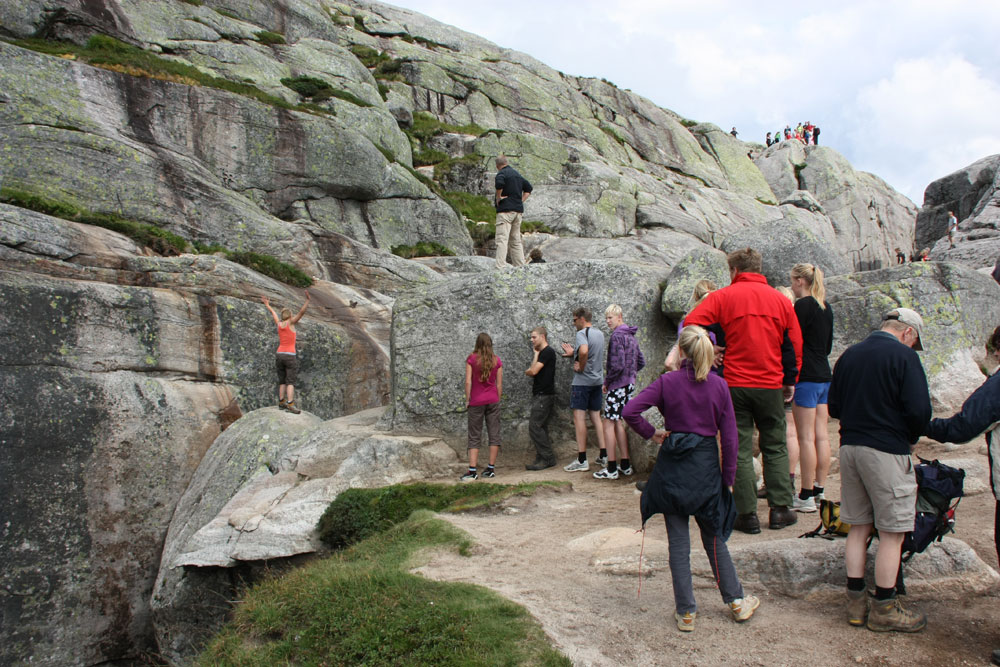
781	517
747	523
685	621
576	466
641	486
539	464
282	405
807	505
603	473
602	461
889	615
470	476
290	406
626	471
857	607
762	492
489	472
743	608
996	656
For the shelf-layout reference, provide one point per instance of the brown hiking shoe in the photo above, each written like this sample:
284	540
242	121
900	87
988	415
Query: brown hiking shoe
857	607
747	523
889	615
282	405
290	406
781	517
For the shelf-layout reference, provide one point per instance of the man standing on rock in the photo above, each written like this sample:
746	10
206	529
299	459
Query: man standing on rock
763	355
543	398
952	228
588	377
512	191
879	394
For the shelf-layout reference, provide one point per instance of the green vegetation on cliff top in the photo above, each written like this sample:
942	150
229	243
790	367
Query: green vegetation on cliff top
110	53
422	249
363	606
159	240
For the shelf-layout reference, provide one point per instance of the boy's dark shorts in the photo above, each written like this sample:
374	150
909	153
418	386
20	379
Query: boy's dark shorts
287	366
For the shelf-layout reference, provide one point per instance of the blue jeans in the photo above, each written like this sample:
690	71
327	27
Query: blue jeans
679	545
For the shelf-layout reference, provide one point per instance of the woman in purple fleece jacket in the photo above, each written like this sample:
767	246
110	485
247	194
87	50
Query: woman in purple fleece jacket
687	479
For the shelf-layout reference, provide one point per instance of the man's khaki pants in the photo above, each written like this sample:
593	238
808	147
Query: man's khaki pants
509	230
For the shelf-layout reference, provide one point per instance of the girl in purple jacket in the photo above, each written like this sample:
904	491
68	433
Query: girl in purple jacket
687	479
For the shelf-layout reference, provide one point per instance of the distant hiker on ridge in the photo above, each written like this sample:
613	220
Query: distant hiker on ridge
512	191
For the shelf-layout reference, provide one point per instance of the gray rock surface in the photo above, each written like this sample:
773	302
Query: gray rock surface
811	569
959	307
973	194
258	495
119	372
434	329
784	243
702	263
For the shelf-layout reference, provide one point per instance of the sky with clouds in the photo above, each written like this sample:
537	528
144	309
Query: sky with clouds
906	90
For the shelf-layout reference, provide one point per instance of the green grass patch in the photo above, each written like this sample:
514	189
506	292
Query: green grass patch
532	226
158	239
474	207
109	53
144	234
359	23
687	122
428	156
382	65
363	607
319	90
196	3
357	514
481	232
227	13
386	153
431	44
269	266
269	38
383	90
444	167
426	126
422	249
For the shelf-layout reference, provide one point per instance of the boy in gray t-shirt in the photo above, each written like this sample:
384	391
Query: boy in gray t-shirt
588	377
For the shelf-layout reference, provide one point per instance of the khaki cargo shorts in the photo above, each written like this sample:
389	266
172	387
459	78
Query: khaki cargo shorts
877	487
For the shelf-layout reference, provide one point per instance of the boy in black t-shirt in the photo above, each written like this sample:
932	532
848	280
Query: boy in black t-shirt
543	398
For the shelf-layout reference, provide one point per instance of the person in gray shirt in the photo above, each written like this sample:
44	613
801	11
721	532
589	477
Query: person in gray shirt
588	378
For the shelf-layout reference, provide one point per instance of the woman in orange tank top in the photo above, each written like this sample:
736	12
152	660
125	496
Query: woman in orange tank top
286	363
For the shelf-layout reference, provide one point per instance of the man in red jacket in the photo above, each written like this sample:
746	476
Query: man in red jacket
763	356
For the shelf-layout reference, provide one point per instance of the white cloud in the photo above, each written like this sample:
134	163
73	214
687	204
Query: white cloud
929	117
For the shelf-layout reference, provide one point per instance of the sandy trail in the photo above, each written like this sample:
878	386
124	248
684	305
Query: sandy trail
534	553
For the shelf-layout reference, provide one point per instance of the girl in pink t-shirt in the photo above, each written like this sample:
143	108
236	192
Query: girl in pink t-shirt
483	389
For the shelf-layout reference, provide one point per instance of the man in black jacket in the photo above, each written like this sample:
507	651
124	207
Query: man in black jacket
512	191
879	393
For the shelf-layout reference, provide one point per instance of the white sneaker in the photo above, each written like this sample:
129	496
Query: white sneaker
819	496
469	477
743	608
576	466
807	505
602	461
625	471
604	474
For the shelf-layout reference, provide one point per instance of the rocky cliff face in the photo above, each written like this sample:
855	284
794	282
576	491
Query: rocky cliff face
125	360
973	194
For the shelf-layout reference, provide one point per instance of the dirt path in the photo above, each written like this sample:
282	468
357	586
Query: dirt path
527	554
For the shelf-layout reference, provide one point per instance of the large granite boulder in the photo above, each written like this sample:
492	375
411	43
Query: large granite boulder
118	373
869	218
258	495
811	569
802	237
702	263
732	156
973	194
960	308
434	329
